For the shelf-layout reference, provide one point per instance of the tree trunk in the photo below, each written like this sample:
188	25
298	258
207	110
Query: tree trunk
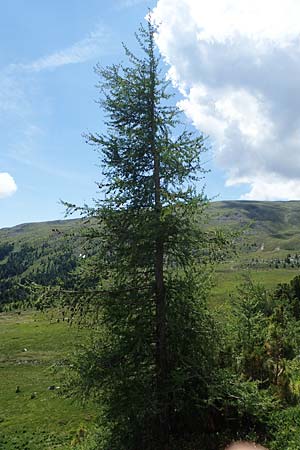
160	294
161	348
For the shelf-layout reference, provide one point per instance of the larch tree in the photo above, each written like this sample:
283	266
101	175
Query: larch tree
151	361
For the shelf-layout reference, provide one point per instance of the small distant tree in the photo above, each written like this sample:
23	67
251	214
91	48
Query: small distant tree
250	312
153	357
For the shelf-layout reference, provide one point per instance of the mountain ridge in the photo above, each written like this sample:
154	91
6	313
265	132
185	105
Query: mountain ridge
46	252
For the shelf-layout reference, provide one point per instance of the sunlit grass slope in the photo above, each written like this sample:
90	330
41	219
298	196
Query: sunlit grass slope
32	416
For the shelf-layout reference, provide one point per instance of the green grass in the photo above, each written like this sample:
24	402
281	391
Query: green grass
227	281
49	420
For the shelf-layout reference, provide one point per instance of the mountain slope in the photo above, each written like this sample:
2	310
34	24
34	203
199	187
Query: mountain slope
274	225
47	252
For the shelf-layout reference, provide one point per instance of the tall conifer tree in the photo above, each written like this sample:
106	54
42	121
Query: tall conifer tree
151	362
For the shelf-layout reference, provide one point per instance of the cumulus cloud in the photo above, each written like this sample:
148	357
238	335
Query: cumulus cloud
237	64
7	185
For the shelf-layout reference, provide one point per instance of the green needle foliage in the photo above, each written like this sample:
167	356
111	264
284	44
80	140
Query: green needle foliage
151	361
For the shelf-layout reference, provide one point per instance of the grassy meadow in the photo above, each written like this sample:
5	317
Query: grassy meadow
36	418
33	346
227	282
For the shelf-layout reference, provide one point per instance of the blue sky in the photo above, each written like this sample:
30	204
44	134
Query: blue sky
47	95
47	54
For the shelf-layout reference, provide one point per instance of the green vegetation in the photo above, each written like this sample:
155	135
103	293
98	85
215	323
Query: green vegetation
33	351
45	252
265	338
271	229
50	419
154	351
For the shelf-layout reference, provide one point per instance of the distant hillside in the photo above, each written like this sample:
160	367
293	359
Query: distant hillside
37	231
274	226
276	220
47	252
44	253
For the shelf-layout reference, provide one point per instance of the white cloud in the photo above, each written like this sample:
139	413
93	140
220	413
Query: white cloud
237	64
90	47
7	185
272	187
